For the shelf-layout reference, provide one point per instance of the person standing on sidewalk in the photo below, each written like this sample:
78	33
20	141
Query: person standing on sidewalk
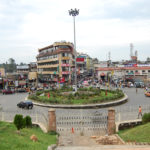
140	112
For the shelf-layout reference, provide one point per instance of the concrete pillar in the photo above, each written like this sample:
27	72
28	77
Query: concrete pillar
52	120
111	121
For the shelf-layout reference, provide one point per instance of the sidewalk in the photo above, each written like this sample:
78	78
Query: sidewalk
106	147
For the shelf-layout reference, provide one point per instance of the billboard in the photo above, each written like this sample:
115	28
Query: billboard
79	59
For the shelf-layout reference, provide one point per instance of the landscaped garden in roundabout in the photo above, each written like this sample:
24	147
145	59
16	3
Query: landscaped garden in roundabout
66	95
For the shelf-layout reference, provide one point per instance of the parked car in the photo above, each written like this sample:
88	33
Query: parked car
130	84
7	91
25	104
139	84
20	90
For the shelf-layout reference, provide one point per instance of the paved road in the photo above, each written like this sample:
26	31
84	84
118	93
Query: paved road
8	102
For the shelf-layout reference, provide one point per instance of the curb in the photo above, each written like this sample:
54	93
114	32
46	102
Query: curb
122	141
52	147
102	105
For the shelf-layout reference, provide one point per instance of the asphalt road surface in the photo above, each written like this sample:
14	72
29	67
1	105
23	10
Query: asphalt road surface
9	102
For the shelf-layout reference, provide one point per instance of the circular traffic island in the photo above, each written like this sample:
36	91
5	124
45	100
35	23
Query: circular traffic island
84	97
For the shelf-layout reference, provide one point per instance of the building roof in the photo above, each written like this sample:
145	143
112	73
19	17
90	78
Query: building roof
56	44
23	67
122	68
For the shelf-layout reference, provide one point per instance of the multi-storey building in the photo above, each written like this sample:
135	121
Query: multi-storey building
32	75
55	62
84	63
135	72
22	76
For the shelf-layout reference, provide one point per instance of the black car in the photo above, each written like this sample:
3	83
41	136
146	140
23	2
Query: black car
20	90
25	104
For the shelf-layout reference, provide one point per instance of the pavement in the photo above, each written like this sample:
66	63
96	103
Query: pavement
87	143
106	147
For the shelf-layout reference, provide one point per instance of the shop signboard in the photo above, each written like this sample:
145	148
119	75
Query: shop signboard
65	72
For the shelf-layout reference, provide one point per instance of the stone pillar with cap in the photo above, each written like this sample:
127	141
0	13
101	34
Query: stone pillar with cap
111	121
52	120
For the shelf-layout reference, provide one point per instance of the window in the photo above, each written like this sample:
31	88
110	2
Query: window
143	70
64	47
65	54
148	70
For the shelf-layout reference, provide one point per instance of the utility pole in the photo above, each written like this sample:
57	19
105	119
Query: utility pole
74	13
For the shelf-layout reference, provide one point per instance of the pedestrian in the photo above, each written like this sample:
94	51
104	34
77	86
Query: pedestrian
140	112
136	90
146	88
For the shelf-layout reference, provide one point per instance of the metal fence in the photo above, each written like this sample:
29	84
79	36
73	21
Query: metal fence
128	113
36	116
82	124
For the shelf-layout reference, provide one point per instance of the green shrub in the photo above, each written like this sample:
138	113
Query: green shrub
19	121
53	133
28	121
39	93
70	96
34	97
77	94
146	118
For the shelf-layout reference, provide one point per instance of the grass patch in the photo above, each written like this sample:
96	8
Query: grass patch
83	96
139	133
11	140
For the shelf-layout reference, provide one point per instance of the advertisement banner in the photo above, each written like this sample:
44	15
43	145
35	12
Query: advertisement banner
79	59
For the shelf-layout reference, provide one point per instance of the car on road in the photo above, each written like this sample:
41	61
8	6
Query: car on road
147	94
25	104
7	91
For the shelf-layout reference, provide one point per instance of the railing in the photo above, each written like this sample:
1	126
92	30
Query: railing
128	113
37	117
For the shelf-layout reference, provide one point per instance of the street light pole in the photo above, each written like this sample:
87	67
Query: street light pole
74	13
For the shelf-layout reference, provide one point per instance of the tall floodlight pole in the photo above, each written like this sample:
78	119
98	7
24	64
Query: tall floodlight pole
74	13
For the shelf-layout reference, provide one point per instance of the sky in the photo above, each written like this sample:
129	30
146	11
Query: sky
102	26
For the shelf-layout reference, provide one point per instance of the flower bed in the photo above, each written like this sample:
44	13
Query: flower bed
83	96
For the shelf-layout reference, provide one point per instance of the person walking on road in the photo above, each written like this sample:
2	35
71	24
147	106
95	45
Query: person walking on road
140	112
136	90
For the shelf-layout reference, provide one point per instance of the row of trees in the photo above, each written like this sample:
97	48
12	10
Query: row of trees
11	65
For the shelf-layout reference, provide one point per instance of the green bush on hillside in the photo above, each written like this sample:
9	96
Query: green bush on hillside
146	118
28	121
19	122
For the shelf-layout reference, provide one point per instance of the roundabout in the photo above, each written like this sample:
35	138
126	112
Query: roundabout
84	98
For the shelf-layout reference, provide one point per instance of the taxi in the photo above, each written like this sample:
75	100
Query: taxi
147	94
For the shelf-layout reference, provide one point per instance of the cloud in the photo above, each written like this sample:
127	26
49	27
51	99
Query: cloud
102	25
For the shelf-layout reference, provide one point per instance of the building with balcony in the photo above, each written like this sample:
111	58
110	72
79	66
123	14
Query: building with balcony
130	72
22	76
55	63
84	64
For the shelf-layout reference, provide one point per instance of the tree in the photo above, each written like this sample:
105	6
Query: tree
28	122
11	65
18	121
11	61
22	64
